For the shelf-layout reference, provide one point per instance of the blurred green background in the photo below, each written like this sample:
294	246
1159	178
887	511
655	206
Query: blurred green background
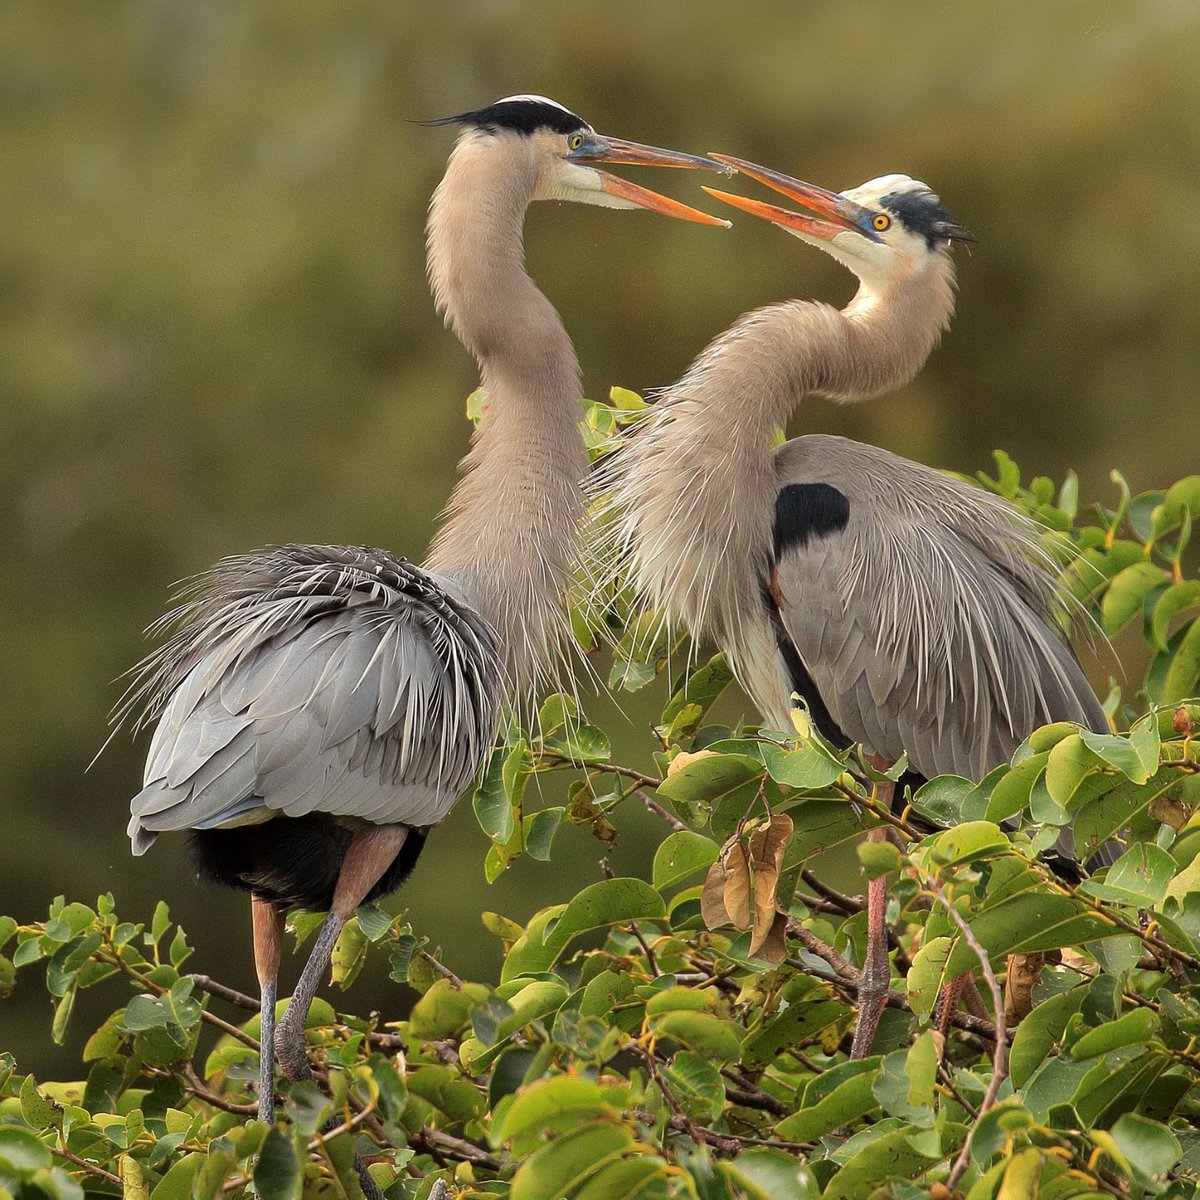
215	331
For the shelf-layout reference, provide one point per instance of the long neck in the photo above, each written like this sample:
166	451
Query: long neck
512	520
693	495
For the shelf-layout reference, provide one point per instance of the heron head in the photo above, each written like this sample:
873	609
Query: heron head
884	230
561	151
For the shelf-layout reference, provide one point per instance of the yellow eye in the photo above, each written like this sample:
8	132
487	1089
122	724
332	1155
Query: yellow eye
881	221
575	141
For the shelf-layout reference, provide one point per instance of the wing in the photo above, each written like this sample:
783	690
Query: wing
917	608
315	678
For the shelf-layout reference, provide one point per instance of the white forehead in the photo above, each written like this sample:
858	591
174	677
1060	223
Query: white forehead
536	100
870	193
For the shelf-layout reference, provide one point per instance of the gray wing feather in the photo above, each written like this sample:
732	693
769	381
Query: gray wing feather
315	678
926	623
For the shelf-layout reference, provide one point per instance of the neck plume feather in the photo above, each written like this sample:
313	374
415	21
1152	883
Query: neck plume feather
510	535
687	505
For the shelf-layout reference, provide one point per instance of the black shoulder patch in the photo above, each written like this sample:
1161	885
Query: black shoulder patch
804	511
521	116
921	213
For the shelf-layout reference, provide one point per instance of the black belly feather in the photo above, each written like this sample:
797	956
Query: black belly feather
804	511
293	862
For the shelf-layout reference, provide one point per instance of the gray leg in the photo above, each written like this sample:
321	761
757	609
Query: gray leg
289	1036
268	941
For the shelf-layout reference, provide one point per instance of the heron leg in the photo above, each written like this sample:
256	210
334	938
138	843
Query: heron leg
876	972
268	942
370	854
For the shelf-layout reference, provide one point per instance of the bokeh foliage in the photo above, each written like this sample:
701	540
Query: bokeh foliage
686	1034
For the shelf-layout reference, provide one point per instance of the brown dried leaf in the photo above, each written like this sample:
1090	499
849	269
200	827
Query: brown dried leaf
736	894
1170	810
1020	976
774	945
683	758
712	901
767	846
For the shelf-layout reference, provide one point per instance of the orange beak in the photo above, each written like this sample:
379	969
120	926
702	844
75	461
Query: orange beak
836	213
599	148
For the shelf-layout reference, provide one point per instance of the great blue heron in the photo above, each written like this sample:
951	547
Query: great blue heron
319	708
912	612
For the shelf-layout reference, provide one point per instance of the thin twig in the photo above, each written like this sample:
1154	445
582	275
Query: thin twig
197	1088
757	1098
206	983
999	1055
90	1168
658	810
847	904
435	1141
823	950
441	968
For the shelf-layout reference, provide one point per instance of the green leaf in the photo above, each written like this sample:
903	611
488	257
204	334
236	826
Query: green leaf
373	921
561	1102
1125	594
927	973
38	1112
680	855
893	1088
889	1156
609	902
1133	1029
176	1184
941	799
21	1152
1184	668
443	1010
1107	1092
704	1033
1011	793
539	832
1038	1032
1117	752
625	1179
764	1174
1150	1147
706	780
626	400
697	690
1177	598
559	1167
1021	1175
797	1025
836	1097
1070	762
680	999
968	842
878	858
696	1083
810	765
1030	921
277	1174
1141	877
493	808
920	1065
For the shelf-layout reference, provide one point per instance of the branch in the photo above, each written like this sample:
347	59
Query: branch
658	810
206	983
90	1168
999	1055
